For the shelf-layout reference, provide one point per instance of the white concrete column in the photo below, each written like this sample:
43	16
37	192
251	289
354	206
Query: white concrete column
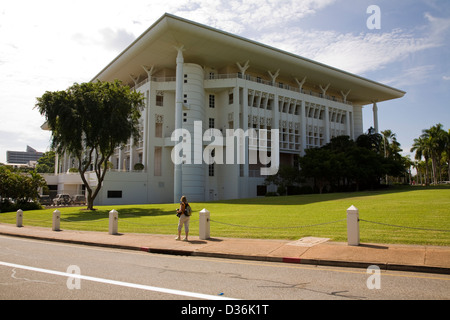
244	126
276	116
327	124
300	84
56	220
113	222
204	224
56	163
130	165
145	132
347	123
146	115
357	121
324	90
344	95
375	117
244	68
178	172
303	127
120	166
274	76
19	218
353	226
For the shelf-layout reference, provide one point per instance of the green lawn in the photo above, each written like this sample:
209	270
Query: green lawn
291	217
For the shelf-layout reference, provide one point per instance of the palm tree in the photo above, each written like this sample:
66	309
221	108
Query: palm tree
420	147
447	151
390	147
435	140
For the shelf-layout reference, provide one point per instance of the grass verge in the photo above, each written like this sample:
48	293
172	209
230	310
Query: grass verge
410	215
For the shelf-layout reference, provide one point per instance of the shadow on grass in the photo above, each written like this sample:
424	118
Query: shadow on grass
314	198
124	213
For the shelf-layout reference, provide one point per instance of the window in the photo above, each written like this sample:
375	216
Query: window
230	98
211	123
211	170
261	190
212	101
114	194
157	162
158	130
160	100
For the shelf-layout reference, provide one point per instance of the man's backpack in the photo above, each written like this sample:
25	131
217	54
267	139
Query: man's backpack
188	210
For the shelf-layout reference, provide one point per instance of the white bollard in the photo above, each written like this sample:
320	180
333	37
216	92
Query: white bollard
19	218
56	220
353	226
204	225
113	222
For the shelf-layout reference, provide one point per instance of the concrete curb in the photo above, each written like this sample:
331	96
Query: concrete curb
263	258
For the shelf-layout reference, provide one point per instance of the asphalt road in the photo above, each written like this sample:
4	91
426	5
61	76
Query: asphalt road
32	269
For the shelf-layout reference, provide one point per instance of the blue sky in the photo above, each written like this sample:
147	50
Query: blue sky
50	44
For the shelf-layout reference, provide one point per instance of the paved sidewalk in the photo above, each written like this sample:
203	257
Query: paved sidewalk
310	251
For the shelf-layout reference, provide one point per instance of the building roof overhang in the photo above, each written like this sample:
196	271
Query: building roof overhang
214	48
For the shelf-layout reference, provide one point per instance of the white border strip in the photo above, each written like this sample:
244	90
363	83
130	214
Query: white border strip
118	283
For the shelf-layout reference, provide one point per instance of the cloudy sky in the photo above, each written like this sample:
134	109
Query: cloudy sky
48	45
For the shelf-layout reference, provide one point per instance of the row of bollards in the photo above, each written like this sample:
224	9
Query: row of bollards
55	220
113	225
204	224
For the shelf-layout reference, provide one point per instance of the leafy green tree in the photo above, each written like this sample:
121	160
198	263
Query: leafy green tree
432	144
20	187
317	164
89	121
447	152
343	162
435	138
46	163
421	149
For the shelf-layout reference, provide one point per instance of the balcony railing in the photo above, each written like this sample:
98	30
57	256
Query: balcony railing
253	79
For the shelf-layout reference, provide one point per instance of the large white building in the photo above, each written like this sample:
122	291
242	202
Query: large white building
192	75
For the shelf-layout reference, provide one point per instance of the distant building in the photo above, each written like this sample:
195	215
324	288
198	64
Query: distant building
21	157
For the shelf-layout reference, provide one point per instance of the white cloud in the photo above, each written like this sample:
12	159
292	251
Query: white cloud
411	77
242	16
446	78
49	44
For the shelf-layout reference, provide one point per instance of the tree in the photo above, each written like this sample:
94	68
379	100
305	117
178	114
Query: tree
316	164
389	145
287	176
370	140
421	149
46	163
21	188
447	152
434	139
89	121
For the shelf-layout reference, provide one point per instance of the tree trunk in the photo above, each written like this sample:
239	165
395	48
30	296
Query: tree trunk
90	203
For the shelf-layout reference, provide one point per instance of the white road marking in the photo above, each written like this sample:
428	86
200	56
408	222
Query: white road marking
118	283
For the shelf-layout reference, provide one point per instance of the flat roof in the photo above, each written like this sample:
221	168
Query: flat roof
215	48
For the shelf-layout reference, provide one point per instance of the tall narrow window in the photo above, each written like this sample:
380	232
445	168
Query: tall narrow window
211	123
158	130
160	100
157	162
212	101
159	120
